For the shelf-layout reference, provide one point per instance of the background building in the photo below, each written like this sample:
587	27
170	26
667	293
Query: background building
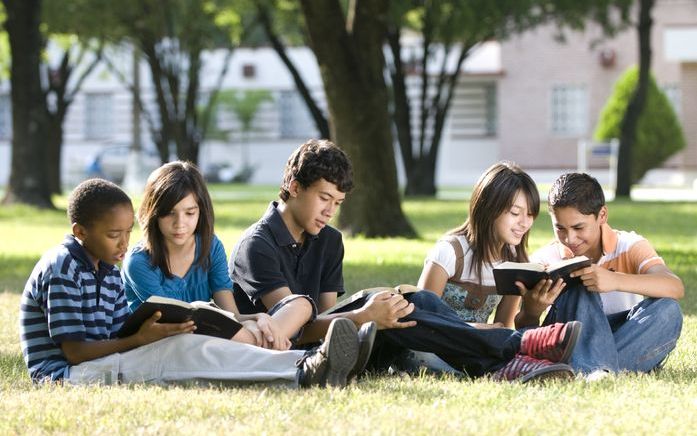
529	100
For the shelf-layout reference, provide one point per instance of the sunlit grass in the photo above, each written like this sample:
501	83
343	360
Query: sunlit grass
664	403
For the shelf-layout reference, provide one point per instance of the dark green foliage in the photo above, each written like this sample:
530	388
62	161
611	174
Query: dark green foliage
659	134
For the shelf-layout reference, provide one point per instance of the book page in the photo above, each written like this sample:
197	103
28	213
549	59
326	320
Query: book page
563	263
530	266
156	299
204	305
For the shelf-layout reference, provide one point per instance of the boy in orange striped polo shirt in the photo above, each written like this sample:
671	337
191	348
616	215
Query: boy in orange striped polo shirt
627	303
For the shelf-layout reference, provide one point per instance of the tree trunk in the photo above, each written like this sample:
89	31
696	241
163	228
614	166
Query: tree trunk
400	104
636	104
28	179
422	179
351	60
280	49
54	144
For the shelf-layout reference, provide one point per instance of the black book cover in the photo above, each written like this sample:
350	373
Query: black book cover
209	319
506	274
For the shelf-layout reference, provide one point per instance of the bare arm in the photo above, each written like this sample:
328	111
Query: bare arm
506	310
433	277
80	351
536	301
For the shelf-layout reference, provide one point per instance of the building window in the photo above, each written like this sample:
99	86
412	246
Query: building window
672	92
472	112
5	117
99	115
295	118
569	110
249	71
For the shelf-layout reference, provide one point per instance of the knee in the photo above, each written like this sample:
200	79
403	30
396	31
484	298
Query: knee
302	305
664	312
670	314
424	299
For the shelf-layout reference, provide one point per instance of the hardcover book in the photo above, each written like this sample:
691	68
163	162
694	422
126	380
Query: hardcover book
507	273
209	319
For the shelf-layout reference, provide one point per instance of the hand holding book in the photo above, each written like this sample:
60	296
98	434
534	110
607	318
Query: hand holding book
529	274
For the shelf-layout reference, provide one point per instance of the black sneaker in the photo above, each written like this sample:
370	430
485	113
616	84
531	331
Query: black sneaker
330	363
366	339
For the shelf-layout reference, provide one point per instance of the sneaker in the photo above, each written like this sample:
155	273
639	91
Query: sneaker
554	342
596	376
524	368
366	339
330	363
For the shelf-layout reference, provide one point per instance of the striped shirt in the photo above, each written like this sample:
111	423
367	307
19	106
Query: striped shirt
625	252
65	299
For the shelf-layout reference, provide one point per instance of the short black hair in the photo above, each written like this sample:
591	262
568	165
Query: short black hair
577	190
317	159
92	199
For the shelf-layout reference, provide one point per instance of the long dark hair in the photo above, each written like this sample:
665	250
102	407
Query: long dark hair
166	187
494	194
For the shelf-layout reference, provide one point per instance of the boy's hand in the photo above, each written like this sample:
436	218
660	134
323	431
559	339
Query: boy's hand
152	331
597	279
539	298
386	308
272	338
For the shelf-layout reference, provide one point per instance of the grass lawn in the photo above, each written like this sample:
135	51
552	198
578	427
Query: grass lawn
663	403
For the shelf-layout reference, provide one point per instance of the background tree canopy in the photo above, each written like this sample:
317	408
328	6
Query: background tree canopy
658	134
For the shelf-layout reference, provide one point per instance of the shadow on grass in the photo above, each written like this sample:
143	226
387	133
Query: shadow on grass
14	271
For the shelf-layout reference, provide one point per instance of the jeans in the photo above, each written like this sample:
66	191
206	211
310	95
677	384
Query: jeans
441	331
635	340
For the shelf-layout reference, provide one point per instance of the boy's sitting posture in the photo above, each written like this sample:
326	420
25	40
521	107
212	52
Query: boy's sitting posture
627	303
73	304
292	250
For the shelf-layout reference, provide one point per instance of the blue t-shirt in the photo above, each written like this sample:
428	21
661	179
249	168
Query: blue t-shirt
65	299
142	279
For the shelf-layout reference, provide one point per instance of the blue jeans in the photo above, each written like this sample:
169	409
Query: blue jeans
441	331
635	340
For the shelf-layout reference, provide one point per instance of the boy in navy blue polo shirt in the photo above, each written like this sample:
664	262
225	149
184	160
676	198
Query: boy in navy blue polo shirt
73	304
292	251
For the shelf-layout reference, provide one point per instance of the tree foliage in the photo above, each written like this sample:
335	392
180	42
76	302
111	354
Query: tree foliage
450	30
658	135
172	36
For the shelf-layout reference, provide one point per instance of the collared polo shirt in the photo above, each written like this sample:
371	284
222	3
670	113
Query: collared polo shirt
267	258
625	252
65	299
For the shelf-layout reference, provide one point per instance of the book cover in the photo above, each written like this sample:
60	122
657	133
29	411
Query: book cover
507	273
209	319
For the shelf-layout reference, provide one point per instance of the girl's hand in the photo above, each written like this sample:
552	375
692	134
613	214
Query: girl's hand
539	298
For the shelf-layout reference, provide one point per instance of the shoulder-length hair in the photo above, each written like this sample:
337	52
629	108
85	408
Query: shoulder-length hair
166	187
494	194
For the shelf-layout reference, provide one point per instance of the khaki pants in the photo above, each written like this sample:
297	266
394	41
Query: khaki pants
189	357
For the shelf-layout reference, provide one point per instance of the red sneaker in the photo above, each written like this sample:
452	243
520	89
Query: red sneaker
554	342
525	368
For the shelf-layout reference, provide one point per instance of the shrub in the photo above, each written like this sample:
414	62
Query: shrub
659	134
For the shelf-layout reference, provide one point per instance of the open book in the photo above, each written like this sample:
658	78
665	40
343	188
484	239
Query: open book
507	273
359	299
209	319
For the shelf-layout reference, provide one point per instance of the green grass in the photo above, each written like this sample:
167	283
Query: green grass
660	403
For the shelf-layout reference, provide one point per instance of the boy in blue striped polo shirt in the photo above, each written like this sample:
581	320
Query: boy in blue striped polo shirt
73	304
